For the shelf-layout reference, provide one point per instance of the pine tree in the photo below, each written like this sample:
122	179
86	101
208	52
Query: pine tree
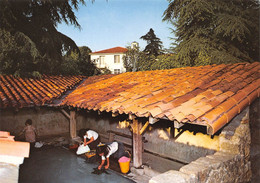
34	23
154	44
214	31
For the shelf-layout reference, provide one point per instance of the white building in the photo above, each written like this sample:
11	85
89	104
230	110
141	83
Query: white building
111	59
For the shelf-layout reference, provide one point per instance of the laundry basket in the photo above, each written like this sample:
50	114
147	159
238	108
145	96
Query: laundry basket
124	163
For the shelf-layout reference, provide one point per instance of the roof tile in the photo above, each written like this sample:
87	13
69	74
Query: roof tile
19	92
155	111
202	95
112	50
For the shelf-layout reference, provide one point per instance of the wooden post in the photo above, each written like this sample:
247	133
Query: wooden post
111	137
137	144
73	124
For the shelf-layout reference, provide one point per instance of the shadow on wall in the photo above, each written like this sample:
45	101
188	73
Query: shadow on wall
188	134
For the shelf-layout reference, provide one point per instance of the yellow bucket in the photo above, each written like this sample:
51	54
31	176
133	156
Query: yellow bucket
124	166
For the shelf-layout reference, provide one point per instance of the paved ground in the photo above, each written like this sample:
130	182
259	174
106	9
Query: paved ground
58	165
63	165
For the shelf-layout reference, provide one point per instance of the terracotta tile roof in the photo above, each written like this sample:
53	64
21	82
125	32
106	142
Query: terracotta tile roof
18	92
112	50
207	95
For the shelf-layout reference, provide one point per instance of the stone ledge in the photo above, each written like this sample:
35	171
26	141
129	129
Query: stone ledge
212	168
144	171
171	176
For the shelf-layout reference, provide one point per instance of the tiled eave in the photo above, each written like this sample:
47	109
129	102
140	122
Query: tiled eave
207	95
111	51
28	92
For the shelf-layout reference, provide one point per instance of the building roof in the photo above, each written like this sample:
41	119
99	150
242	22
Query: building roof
207	95
18	92
112	50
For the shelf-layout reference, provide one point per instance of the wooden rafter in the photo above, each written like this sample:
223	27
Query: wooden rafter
144	127
65	113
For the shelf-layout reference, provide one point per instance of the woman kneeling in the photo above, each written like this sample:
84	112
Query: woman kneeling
114	149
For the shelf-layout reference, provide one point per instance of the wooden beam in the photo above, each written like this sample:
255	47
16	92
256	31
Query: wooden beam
179	134
144	127
65	113
73	124
137	144
132	116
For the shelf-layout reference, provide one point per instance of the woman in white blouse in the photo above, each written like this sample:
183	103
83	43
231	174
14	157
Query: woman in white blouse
115	149
91	138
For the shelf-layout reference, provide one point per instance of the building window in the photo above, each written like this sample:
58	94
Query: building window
102	60
116	59
116	71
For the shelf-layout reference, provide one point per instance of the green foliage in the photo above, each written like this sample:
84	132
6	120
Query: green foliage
213	31
18	55
165	61
136	60
75	63
130	59
104	71
161	62
69	66
145	62
154	44
30	41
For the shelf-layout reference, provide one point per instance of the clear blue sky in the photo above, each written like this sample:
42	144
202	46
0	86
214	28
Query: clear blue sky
107	24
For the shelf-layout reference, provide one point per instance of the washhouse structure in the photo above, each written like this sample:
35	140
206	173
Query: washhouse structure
22	99
205	118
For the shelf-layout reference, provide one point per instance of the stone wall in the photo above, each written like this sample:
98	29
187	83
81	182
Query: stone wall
159	138
220	167
255	140
230	164
48	121
185	146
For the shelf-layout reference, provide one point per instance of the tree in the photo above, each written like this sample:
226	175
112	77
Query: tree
30	29
130	58
86	66
78	63
18	54
215	32
165	61
154	44
136	60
